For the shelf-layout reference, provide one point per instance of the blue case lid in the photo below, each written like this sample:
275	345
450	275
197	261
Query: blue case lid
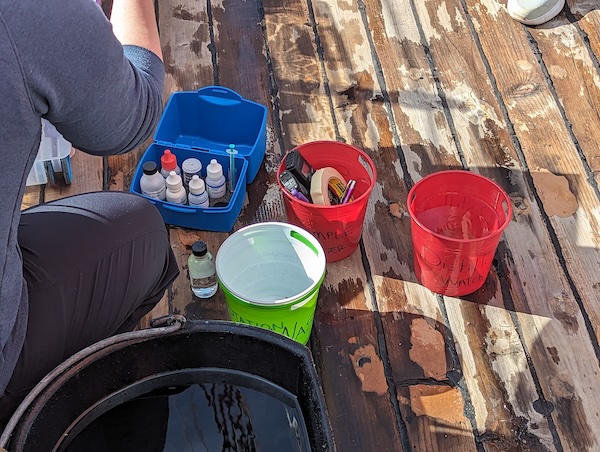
211	119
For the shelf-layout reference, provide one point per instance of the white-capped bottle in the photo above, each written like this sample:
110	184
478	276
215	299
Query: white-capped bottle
201	266
152	184
189	167
175	191
197	195
215	181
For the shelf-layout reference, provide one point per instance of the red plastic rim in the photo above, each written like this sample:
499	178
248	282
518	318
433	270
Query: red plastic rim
499	230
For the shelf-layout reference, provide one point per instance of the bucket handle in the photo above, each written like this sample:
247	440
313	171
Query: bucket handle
366	166
296	235
506	208
410	201
161	326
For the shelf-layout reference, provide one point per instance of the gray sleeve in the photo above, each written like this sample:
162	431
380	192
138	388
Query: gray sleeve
104	98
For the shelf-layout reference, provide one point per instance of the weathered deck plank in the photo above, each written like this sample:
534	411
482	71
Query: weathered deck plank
494	372
32	196
553	324
587	14
575	80
186	44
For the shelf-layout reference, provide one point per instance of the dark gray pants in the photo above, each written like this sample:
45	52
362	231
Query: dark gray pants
94	264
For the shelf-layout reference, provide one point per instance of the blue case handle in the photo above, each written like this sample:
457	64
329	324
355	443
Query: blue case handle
179	209
212	210
219	95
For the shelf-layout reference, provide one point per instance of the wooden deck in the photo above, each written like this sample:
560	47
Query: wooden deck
421	86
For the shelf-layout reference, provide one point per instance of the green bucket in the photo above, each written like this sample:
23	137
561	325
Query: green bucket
271	274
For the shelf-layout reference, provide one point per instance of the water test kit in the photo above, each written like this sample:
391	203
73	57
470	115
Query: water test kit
203	124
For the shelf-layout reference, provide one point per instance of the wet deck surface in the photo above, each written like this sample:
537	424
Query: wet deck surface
421	86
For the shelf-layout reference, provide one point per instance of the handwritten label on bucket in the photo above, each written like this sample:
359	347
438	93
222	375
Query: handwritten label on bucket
333	241
450	273
297	331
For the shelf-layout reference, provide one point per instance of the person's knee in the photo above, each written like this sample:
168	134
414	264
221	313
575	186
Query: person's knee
136	210
130	213
91	223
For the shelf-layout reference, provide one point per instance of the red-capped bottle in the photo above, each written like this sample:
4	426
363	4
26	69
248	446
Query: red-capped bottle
168	163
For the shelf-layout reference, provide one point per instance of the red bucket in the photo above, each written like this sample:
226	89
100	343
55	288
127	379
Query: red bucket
337	228
457	219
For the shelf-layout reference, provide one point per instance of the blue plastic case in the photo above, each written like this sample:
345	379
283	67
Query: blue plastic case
202	125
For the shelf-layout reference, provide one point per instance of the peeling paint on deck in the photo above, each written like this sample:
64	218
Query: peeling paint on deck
440	402
555	194
369	369
428	349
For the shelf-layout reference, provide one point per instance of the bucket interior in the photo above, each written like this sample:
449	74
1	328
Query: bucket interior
459	205
270	263
350	162
192	409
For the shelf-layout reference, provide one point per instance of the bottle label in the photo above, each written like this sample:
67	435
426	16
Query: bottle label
215	191
198	200
177	198
203	283
158	194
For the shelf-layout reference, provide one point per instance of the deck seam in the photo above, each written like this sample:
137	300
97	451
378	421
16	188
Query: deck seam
510	306
212	47
469	408
42	196
106	174
273	86
384	355
385	95
321	57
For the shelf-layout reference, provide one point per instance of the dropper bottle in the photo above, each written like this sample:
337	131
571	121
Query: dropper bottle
175	191
168	163
197	195
215	180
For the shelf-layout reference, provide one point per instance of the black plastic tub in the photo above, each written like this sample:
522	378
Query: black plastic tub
142	370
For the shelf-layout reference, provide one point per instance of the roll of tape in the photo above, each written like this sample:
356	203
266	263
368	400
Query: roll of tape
327	187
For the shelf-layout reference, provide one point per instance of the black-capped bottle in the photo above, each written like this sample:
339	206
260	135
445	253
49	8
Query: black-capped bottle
201	267
152	184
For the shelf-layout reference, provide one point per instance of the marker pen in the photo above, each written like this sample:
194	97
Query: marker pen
295	193
348	194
